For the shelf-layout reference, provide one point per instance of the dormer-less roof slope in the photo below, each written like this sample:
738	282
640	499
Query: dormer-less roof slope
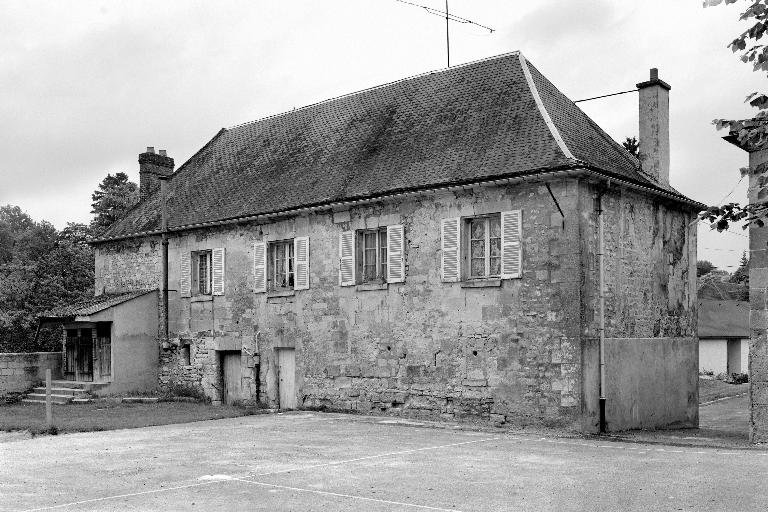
494	118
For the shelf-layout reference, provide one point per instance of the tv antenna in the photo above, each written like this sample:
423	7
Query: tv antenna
448	18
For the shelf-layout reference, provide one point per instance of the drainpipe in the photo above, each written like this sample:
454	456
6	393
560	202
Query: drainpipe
164	254
601	300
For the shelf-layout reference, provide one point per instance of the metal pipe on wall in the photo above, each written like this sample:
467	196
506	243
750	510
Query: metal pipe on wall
164	254
601	301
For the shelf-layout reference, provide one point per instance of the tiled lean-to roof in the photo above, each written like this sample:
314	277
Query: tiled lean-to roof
93	305
494	118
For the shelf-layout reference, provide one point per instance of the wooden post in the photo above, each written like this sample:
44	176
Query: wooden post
48	411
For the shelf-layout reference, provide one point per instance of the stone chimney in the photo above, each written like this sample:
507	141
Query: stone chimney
151	167
654	127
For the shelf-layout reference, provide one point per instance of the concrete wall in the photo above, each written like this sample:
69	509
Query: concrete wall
713	356
135	345
651	383
21	371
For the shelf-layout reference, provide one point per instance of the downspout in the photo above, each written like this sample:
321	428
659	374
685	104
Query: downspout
164	254
601	299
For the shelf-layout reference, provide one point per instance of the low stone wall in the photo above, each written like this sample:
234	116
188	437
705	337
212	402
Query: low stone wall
21	371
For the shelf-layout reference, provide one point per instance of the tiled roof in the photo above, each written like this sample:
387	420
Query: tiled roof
483	120
91	306
723	319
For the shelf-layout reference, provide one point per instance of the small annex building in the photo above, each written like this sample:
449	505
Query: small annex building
723	336
458	244
109	343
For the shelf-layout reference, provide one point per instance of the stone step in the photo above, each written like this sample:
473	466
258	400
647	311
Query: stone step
81	385
60	391
81	401
40	398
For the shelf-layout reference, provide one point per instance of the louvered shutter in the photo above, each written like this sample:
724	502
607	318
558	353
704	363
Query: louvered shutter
260	267
451	246
185	275
347	258
217	271
511	244
395	254
301	263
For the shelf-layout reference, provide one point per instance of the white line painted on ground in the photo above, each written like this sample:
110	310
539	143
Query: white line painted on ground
127	495
358	459
350	496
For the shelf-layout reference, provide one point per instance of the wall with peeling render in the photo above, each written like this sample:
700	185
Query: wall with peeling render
510	353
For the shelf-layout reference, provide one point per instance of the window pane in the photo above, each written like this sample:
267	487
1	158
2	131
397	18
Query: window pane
383	254
477	229
478	249
495	266
495	227
495	247
369	240
477	267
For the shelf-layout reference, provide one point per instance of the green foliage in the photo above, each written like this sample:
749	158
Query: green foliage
704	267
751	132
741	275
40	268
632	146
114	197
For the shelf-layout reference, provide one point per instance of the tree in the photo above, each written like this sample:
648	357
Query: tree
40	269
632	146
114	197
741	275
751	132
704	267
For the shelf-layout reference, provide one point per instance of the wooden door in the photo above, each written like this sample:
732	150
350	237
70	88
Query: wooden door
286	371
70	355
231	377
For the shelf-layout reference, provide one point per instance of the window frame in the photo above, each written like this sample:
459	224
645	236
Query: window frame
289	261
466	247
196	257
381	251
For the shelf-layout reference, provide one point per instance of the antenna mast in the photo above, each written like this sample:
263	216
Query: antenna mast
448	18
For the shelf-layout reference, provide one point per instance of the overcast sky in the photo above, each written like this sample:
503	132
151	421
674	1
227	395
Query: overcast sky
85	86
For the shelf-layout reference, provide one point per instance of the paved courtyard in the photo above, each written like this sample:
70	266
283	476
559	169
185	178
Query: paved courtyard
312	461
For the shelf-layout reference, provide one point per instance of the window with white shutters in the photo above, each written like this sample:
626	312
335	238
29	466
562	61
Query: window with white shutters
301	259
185	274
217	271
395	257
483	247
259	267
450	248
511	244
347	258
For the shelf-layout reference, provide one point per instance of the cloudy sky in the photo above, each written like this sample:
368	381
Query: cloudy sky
85	86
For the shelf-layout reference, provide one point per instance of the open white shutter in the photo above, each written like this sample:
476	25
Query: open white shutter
301	263
395	254
217	271
451	246
185	274
347	258
260	267
511	244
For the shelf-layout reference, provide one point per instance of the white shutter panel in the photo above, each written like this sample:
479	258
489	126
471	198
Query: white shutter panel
185	275
395	254
217	271
451	246
511	244
260	267
347	258
301	263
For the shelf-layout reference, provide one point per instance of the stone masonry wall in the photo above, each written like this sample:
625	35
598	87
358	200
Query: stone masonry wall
422	348
21	371
128	265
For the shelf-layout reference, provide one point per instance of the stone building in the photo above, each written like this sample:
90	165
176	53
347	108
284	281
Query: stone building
465	243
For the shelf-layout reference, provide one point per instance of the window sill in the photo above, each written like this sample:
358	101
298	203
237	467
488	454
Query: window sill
481	283
371	286
201	298
281	293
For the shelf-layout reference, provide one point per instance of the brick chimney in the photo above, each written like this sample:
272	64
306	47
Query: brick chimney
654	127
151	167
